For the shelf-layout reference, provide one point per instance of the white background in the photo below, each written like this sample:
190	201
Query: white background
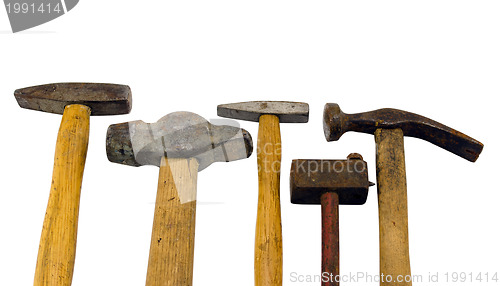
440	59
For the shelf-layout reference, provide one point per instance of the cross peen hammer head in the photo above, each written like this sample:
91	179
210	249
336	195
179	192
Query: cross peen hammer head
102	98
286	111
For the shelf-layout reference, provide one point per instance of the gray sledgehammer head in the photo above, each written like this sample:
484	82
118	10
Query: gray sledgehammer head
176	135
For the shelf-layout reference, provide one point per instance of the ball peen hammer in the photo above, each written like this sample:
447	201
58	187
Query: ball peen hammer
329	183
268	237
181	144
389	127
76	102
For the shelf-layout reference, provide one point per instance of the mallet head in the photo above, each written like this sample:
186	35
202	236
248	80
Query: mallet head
176	135
286	111
102	98
336	123
309	179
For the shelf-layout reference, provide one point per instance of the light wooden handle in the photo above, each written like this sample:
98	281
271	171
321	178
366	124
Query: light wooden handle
393	207
171	253
268	240
56	254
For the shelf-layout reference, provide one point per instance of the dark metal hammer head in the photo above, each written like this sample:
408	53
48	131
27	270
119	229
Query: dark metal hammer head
287	112
176	135
102	98
309	179
336	123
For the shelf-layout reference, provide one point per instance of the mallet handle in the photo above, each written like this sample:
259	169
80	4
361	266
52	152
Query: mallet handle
330	237
268	240
56	254
393	206
171	253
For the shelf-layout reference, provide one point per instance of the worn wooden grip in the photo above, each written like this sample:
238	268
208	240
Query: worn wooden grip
268	240
171	253
393	207
56	254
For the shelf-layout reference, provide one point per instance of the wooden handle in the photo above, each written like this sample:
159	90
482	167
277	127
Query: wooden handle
268	240
171	253
56	254
393	207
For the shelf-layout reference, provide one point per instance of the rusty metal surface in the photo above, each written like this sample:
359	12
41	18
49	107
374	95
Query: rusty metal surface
336	123
330	250
309	179
176	135
287	112
102	98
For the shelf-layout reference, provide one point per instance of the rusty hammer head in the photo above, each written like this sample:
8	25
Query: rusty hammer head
309	179
336	123
287	112
176	135
102	98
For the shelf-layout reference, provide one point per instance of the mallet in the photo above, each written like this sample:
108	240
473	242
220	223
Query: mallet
329	183
181	144
76	101
268	238
389	127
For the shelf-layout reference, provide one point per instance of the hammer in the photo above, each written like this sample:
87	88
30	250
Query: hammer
268	238
389	127
329	183
76	102
181	144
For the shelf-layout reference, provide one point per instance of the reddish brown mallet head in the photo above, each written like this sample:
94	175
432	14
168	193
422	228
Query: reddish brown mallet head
76	101
309	179
330	183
